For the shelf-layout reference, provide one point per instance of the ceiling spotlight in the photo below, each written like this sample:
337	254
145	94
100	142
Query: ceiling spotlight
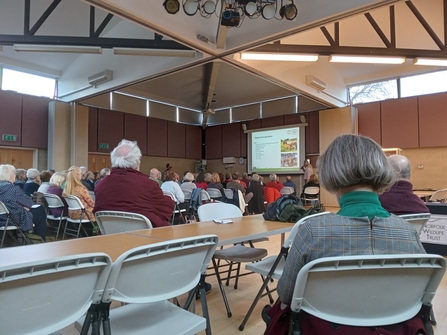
171	6
209	7
190	7
268	12
230	18
288	11
250	8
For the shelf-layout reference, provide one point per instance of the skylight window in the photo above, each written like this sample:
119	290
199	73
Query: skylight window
27	83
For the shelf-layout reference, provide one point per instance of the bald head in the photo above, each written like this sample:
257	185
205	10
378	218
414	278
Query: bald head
154	173
401	166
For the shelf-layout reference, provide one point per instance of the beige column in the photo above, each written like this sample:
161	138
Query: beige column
334	122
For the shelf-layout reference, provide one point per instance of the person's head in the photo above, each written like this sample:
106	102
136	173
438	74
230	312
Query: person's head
168	166
45	176
33	175
244	175
354	161
236	176
288	178
222	177
153	173
73	180
57	179
169	175
176	177
7	173
21	174
227	177
90	176
200	178
188	177
96	174
255	177
207	177
84	172
401	166
127	155
272	177
215	179
306	162
104	173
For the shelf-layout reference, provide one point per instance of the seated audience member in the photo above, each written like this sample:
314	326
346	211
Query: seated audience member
200	181
308	171
170	185
91	179
129	190
245	179
400	199
56	182
33	182
290	183
256	205
313	181
102	174
228	178
84	176
222	179
235	183
356	170
215	183
73	186
153	174
207	178
168	167
187	184
274	183
28	216
20	178
45	176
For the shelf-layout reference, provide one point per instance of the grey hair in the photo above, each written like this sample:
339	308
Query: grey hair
401	166
188	177
83	169
104	172
354	160
207	177
272	176
6	172
255	177
32	174
126	155
20	172
57	179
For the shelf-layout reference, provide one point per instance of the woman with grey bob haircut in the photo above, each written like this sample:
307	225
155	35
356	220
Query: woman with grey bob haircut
354	160
126	155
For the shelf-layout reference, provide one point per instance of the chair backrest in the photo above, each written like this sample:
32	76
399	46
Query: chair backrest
44	297
373	289
111	222
271	194
289	240
218	210
228	193
187	194
3	209
204	196
171	195
418	221
214	193
286	190
311	190
73	202
159	271
53	200
438	195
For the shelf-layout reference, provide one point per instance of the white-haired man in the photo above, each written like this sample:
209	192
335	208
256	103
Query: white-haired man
33	182
129	190
274	182
154	174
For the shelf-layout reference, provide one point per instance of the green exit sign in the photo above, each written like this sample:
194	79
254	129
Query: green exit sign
9	138
104	146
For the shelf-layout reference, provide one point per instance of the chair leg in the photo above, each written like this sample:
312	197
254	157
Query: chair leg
238	271
200	288
222	291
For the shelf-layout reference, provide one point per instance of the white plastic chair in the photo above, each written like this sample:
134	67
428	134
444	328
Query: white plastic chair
418	221
313	192
235	254
74	203
187	194
112	222
177	209
368	290
272	266
44	297
10	225
54	202
146	277
439	195
214	193
204	196
286	190
229	195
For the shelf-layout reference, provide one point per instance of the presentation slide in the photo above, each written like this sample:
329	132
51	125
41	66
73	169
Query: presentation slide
277	150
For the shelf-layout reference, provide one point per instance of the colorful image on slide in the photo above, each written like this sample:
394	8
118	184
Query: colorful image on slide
289	160
289	144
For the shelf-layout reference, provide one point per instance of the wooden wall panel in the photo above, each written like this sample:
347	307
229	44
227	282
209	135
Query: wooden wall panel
400	123
157	140
313	129
291	119
243	142
176	140
110	128
11	117
135	129
432	120
231	140
35	122
254	124
272	122
193	141
369	120
92	129
213	140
